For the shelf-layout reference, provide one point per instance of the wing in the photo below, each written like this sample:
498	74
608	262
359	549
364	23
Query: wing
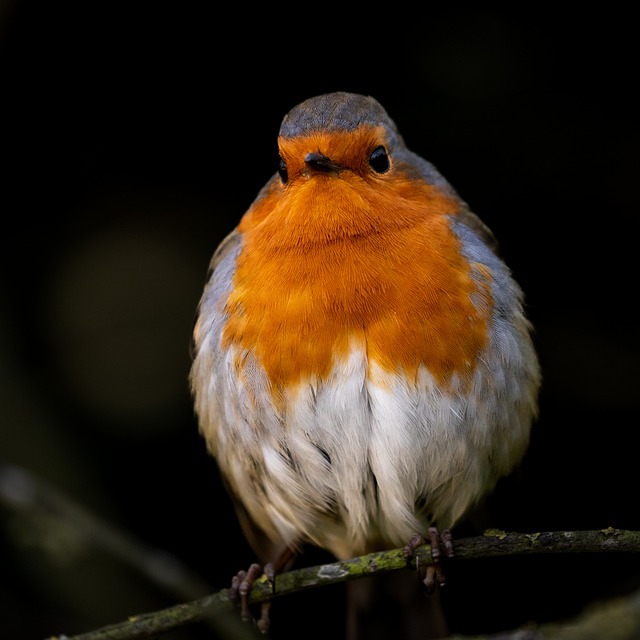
227	245
471	220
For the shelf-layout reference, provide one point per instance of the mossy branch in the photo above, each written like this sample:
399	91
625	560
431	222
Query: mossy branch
219	606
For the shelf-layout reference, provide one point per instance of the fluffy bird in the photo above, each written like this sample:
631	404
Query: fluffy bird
363	367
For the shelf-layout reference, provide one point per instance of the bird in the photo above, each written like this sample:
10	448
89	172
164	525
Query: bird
363	366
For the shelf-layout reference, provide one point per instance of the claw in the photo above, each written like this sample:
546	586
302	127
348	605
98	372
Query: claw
270	573
234	591
264	621
447	539
415	541
243	581
432	574
241	585
434	539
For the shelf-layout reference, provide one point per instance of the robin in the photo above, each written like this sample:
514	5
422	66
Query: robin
363	368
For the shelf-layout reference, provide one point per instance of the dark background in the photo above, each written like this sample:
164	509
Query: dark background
133	139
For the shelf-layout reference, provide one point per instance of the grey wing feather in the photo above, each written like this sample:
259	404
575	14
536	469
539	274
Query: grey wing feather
227	245
471	220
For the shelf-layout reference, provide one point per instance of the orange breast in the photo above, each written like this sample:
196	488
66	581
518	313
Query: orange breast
338	259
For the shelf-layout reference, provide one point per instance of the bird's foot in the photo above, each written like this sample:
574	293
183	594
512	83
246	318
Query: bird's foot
241	586
431	574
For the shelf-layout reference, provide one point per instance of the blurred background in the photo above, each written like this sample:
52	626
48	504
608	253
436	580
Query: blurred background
133	139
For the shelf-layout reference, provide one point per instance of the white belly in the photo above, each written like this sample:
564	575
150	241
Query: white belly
366	458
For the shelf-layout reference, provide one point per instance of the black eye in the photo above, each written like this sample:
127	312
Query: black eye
282	171
379	160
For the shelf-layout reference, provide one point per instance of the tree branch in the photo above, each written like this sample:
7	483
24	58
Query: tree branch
49	509
493	543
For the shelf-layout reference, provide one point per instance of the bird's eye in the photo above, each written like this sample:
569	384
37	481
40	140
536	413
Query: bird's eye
282	171
379	160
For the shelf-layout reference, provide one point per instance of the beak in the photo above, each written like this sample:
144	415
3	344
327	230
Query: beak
319	163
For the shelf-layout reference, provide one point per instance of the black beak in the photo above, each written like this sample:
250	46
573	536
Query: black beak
319	163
